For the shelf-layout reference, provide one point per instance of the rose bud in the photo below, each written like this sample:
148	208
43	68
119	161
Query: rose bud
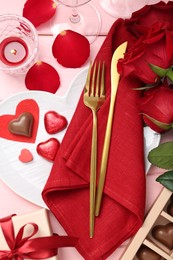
71	49
157	108
154	47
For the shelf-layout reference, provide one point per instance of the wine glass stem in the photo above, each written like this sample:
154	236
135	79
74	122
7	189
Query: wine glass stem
75	17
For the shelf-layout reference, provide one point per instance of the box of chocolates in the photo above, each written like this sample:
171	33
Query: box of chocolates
154	240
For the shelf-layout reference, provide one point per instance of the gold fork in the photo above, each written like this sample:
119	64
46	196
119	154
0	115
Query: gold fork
94	97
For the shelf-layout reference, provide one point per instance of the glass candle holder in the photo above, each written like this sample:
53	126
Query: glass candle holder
18	44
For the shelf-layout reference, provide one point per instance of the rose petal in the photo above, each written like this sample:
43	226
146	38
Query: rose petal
42	76
39	11
71	49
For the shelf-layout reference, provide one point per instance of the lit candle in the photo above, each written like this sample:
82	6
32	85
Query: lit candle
13	51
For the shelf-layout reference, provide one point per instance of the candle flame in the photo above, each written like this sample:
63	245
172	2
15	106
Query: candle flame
13	51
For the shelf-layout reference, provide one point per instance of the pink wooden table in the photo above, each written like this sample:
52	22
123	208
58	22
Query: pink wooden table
10	202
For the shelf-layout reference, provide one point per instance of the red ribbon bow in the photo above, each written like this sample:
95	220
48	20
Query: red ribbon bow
27	247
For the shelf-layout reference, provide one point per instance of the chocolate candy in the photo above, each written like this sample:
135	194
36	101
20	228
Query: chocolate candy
145	253
22	125
48	149
54	122
164	234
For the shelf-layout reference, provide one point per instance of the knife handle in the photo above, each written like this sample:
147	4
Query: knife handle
105	155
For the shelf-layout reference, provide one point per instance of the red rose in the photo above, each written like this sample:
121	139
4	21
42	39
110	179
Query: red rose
149	15
154	47
157	104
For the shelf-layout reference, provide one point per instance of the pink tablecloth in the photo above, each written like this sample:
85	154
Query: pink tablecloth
12	203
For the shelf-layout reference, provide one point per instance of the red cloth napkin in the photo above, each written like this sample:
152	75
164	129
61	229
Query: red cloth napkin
66	192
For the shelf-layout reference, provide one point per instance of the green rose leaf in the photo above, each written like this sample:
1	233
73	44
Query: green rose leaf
169	74
158	70
162	156
162	125
166	180
162	72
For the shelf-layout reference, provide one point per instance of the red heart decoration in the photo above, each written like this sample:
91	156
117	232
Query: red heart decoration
27	105
25	156
54	122
48	149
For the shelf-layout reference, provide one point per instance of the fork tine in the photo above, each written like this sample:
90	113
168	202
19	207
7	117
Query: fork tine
93	79
87	84
97	81
102	89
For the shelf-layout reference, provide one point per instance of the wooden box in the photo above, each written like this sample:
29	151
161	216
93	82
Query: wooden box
154	240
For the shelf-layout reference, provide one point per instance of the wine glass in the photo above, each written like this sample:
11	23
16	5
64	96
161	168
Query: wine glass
77	15
122	8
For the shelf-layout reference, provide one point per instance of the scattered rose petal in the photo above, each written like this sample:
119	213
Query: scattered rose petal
71	49
48	149
25	156
54	122
39	11
42	76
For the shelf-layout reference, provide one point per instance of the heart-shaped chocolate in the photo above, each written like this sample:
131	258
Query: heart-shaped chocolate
145	253
48	149
164	234
54	122
22	125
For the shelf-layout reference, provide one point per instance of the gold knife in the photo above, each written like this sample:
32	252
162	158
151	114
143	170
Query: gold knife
119	53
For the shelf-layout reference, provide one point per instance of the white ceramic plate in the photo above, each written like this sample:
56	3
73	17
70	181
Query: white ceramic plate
28	179
151	140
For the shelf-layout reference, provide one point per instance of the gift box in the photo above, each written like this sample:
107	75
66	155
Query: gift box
39	217
29	236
